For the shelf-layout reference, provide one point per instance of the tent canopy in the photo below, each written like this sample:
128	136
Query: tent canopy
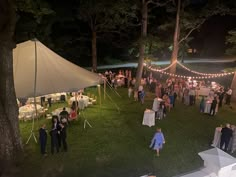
53	73
218	157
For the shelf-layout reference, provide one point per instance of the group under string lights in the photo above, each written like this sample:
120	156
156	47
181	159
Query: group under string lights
203	75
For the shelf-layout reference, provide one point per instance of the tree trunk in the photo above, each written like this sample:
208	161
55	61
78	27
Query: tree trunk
142	43
174	55
233	87
10	144
94	51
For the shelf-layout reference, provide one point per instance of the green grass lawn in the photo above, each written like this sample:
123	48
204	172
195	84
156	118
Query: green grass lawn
118	144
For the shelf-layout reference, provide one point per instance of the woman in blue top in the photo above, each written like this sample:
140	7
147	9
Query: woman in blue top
157	141
202	105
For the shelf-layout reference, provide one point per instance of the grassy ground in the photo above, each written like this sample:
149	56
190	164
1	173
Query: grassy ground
118	144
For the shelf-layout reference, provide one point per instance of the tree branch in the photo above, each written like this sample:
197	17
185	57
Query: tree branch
194	28
157	3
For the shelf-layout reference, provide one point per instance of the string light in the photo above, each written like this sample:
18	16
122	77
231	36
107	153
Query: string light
191	77
205	74
163	69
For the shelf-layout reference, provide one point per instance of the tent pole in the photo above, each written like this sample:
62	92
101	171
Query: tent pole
104	91
35	106
99	94
76	106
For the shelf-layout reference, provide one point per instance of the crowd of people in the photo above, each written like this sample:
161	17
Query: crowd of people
57	133
166	95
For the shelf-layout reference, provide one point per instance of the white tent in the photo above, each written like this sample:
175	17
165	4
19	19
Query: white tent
53	73
217	163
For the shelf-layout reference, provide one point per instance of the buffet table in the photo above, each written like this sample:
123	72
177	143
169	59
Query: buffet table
149	118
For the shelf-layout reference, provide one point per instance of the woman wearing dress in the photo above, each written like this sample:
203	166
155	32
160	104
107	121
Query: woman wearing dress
157	141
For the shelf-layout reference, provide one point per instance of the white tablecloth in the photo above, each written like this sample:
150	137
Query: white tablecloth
149	118
28	111
207	107
82	101
217	136
57	111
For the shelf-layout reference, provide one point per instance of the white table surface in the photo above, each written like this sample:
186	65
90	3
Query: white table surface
207	107
217	136
149	118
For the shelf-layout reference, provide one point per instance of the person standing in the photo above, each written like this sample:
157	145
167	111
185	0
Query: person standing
63	136
141	96
213	107
135	95
202	105
55	135
49	102
130	90
156	105
226	134
228	96
140	89
157	141
64	116
221	97
43	139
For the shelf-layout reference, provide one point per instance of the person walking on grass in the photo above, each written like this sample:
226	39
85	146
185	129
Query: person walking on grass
141	96
157	141
130	90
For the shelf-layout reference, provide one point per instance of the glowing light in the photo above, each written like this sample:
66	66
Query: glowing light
212	75
189	77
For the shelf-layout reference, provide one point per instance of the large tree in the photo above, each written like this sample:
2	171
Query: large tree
10	144
231	50
231	42
190	17
104	16
144	32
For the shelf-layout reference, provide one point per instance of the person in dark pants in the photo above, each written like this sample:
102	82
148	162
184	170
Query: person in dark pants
49	102
42	100
213	107
228	96
226	134
43	139
63	136
54	140
175	97
221	97
55	135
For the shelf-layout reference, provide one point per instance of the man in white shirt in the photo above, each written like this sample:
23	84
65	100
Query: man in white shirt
156	105
228	96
